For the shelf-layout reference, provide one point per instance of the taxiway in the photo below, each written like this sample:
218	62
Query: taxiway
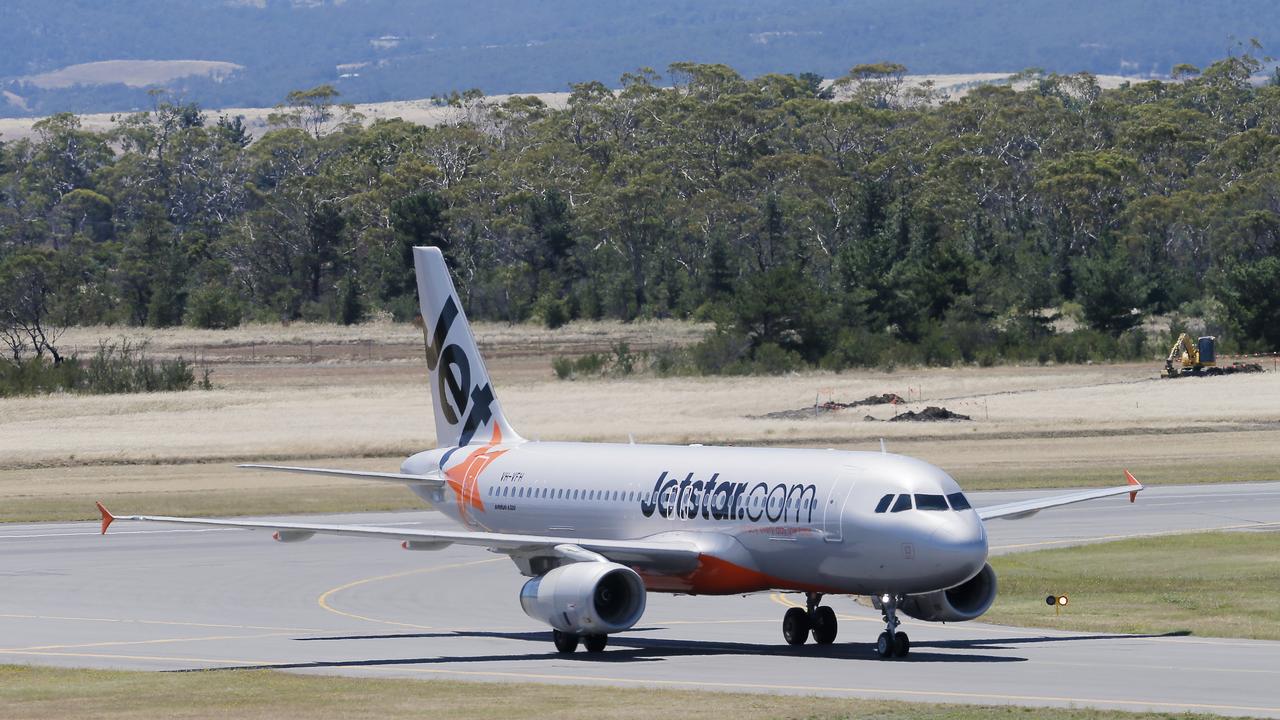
156	598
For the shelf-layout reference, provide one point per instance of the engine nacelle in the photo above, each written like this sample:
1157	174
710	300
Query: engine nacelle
586	598
966	601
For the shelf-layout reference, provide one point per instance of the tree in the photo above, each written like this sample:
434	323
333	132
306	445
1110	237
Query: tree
1109	292
312	110
26	290
780	307
416	221
1250	293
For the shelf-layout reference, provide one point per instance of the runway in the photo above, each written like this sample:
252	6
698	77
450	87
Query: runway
156	598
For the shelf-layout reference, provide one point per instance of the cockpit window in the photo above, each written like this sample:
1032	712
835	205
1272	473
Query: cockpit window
959	501
931	502
903	503
884	503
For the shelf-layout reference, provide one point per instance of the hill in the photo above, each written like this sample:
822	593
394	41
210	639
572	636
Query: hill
377	50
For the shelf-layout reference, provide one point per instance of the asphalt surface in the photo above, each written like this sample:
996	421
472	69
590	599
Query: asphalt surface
157	598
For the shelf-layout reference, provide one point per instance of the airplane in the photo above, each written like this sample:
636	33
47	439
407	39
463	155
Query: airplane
597	526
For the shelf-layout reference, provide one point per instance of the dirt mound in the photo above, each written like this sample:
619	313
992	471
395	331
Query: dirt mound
830	406
884	399
929	414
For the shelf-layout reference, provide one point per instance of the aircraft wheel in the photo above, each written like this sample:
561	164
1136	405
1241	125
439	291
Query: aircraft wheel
901	645
824	625
595	643
884	645
565	642
795	626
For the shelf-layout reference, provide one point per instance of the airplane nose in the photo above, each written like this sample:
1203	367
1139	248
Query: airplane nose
961	544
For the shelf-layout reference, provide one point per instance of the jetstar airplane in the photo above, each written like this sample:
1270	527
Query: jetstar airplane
597	526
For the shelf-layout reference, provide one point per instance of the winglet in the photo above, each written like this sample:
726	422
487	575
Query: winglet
107	517
1133	494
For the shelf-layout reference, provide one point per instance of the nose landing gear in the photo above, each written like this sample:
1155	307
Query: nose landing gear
815	619
891	643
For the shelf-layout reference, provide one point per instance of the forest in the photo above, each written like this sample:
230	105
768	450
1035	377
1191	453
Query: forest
866	223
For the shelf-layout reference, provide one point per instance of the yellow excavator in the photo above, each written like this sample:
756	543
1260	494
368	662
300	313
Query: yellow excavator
1200	358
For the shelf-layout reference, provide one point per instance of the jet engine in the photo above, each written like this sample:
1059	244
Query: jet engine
586	598
966	601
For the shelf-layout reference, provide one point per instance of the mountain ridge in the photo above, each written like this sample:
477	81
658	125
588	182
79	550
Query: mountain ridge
378	50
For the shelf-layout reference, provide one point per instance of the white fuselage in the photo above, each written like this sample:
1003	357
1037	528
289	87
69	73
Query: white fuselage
768	518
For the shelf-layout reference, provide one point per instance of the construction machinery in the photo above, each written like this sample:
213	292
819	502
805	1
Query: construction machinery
1200	358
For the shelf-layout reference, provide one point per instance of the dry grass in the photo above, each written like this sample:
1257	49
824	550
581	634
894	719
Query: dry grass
528	338
365	397
1222	585
35	693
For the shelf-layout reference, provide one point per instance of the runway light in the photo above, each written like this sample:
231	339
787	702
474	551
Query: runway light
1057	602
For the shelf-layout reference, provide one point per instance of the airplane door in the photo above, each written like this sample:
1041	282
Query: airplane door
837	498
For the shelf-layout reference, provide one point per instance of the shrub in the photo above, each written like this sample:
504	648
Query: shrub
563	367
34	376
114	368
773	359
552	311
719	351
213	307
125	368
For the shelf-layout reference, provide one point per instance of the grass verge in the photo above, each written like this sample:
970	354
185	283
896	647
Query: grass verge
1221	584
33	692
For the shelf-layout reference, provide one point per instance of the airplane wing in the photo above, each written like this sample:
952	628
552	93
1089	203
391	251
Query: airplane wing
666	555
1027	508
429	480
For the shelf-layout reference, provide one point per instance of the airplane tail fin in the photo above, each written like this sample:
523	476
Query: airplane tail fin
467	411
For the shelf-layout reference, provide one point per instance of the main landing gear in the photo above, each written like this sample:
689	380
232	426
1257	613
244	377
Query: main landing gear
891	643
820	620
568	642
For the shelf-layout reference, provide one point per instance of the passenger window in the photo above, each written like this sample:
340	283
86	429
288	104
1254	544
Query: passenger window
959	501
575	494
884	503
903	503
931	502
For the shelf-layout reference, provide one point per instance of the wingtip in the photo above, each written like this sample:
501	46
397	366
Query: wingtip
107	517
1133	482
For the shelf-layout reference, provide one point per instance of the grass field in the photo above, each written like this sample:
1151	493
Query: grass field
35	693
1220	585
357	397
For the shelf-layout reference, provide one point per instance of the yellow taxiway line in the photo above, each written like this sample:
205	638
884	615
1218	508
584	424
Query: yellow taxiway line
324	598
